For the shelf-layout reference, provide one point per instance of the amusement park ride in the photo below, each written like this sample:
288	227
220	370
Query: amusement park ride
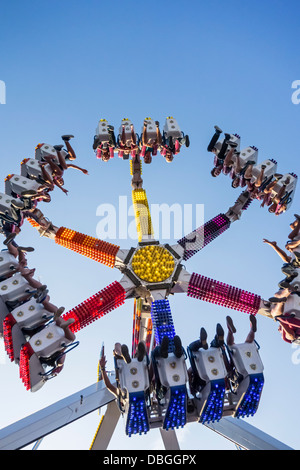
156	389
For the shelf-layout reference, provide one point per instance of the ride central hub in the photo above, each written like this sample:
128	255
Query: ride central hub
153	263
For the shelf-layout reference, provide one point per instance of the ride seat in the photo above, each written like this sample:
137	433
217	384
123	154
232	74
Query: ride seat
16	184
8	264
134	378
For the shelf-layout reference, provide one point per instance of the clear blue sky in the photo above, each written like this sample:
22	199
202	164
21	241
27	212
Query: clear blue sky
68	64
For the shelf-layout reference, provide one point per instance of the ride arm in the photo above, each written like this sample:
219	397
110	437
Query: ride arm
205	234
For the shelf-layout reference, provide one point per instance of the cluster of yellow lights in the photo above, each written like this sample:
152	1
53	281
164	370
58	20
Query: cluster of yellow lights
142	213
153	263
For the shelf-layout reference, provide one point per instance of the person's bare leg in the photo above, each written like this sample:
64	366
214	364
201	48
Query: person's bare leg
228	158
123	138
277	310
295	226
251	334
258	182
280	194
62	161
13	250
248	172
133	136
238	167
54	167
66	139
158	134
64	324
231	331
46	177
144	135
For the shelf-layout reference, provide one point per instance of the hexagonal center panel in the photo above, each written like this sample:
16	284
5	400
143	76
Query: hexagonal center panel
153	263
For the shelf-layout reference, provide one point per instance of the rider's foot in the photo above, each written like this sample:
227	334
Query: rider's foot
220	334
164	347
141	351
177	347
125	353
67	137
203	338
230	324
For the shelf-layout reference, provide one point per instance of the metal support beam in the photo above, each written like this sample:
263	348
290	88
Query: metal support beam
245	435
169	439
38	425
50	419
106	427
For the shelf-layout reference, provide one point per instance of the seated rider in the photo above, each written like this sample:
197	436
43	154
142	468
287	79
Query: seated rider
292	260
149	146
289	325
69	335
105	150
120	352
125	148
195	382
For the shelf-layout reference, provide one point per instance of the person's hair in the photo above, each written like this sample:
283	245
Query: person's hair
235	182
213	172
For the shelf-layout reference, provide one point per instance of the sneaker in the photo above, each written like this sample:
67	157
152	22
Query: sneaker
141	351
177	347
230	325
125	353
164	347
203	338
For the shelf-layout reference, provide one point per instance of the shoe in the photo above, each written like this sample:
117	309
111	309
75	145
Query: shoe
27	249
218	130
253	323
141	351
203	338
29	193
67	137
230	325
58	147
164	347
17	204
41	296
220	334
232	144
125	353
277	300
177	347
10	238
41	293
